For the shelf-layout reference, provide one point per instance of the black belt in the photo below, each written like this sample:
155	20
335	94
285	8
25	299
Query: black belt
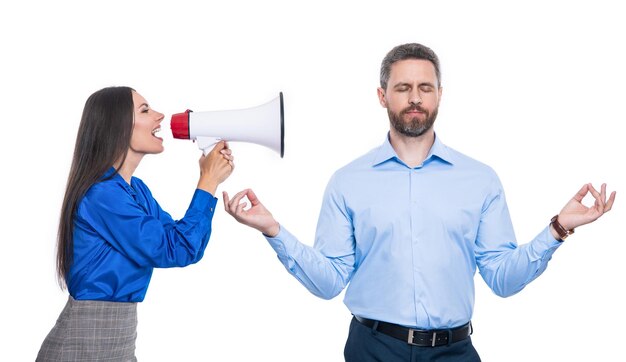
420	337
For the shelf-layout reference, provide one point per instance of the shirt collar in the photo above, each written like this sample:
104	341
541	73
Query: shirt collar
112	174
438	151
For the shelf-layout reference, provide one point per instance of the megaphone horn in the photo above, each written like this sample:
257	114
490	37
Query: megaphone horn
263	125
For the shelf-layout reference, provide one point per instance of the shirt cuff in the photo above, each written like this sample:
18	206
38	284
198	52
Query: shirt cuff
203	201
284	243
545	242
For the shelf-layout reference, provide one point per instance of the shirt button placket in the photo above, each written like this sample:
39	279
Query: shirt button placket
414	222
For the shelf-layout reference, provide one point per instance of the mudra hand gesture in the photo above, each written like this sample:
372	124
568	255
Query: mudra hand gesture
575	214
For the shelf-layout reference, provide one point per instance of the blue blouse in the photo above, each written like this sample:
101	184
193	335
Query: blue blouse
121	234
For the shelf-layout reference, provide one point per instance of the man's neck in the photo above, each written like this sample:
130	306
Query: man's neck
412	150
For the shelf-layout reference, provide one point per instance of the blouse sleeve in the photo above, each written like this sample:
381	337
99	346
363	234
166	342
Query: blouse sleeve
136	226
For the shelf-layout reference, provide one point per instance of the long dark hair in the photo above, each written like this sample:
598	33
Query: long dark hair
102	141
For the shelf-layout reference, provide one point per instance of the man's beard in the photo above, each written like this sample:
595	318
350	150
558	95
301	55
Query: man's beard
415	127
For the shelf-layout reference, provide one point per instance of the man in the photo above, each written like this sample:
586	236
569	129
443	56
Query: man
407	224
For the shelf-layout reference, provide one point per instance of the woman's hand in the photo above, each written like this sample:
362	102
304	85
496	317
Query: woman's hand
215	167
257	216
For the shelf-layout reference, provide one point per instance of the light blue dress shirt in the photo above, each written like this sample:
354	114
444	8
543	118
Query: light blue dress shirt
121	234
408	240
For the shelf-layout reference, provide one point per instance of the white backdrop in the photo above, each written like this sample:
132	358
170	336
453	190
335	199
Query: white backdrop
535	90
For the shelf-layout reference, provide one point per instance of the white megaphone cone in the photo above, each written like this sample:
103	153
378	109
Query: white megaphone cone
263	125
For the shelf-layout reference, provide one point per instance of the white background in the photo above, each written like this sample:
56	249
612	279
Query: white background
534	89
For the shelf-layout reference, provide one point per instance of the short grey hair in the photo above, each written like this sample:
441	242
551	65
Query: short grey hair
407	51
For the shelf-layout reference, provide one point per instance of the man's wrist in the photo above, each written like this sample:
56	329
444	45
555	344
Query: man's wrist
272	231
558	231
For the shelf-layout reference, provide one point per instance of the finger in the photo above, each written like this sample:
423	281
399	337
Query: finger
240	208
254	200
599	206
602	194
218	147
237	199
609	203
593	191
233	205
232	202
602	199
225	197
580	195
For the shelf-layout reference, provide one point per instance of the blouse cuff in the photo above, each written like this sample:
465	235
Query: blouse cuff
203	201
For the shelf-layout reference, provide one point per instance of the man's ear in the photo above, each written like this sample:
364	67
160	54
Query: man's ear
381	97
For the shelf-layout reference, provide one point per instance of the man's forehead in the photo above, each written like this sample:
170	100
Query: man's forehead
413	65
411	70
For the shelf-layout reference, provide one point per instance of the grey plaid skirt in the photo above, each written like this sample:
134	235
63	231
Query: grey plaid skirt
89	330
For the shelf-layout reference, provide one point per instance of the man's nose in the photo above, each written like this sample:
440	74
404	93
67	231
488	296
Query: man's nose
414	98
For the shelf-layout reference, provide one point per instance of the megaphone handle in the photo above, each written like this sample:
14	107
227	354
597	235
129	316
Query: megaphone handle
207	143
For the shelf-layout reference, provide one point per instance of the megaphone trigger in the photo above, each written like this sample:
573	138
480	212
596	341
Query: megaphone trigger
207	143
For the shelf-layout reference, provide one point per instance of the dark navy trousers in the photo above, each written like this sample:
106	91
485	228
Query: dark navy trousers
367	345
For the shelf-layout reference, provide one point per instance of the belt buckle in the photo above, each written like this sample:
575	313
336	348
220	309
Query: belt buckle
411	334
432	334
410	340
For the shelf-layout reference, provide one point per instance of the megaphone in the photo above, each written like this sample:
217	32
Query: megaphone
263	125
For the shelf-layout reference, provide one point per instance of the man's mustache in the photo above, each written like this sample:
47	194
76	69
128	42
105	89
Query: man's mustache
414	108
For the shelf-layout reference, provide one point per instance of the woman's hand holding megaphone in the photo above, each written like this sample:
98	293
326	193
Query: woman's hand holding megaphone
257	216
215	167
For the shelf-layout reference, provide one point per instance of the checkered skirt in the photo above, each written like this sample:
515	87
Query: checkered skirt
89	330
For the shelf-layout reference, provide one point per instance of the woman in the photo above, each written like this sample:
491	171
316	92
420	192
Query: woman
112	232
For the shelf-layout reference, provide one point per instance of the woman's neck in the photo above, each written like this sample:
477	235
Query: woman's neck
127	169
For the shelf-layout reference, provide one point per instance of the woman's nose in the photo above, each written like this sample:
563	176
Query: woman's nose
160	116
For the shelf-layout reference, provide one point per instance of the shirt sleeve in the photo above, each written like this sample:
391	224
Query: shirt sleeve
145	233
326	268
504	265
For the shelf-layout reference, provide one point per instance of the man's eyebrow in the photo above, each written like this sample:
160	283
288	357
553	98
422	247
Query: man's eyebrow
401	84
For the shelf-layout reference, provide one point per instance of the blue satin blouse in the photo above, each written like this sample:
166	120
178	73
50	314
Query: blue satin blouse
121	234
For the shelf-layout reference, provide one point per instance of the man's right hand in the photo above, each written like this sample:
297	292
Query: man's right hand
257	216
